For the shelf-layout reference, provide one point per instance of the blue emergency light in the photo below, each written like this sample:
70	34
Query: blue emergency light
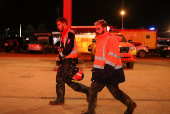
152	28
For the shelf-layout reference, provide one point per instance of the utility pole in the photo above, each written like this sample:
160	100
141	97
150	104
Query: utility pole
20	30
7	31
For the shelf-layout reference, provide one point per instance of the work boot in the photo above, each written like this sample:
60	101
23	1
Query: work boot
92	104
56	102
126	100
130	108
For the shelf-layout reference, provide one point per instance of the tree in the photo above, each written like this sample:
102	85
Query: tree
30	32
41	28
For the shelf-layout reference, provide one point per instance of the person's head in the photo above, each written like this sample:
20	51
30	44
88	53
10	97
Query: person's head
61	23
101	26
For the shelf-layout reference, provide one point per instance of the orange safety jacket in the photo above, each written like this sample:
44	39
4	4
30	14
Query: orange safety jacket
65	40
107	61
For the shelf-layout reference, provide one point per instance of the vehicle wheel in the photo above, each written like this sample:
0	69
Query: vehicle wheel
44	51
7	50
130	64
11	43
163	54
20	50
141	54
29	51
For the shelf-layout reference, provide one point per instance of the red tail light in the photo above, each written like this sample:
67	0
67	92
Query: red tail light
39	45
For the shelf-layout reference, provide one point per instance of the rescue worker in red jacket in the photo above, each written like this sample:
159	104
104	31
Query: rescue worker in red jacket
67	56
107	69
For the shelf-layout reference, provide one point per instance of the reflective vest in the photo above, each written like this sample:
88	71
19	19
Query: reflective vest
107	52
74	52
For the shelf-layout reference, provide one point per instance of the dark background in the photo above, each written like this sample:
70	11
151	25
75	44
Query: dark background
139	14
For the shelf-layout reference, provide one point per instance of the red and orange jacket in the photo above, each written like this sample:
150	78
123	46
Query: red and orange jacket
68	44
107	66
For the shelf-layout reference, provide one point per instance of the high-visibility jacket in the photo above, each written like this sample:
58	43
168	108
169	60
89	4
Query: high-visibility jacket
66	41
107	66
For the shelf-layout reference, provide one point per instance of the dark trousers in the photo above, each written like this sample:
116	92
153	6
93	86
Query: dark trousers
114	90
62	77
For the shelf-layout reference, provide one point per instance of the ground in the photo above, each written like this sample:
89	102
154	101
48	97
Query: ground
27	84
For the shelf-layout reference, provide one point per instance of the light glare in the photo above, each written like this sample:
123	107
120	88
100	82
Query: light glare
122	12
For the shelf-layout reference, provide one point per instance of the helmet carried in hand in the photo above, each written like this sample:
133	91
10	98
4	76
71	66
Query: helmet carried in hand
76	73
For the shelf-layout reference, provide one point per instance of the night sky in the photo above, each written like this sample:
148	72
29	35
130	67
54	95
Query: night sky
139	13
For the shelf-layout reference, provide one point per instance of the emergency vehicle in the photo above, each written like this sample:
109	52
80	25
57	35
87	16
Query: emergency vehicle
146	36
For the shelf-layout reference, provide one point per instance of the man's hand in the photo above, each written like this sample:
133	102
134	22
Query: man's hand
60	50
57	59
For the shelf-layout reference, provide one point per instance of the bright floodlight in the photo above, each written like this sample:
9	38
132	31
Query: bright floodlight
122	12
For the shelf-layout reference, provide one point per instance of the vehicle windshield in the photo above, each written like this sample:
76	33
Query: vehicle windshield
136	43
163	42
123	38
36	42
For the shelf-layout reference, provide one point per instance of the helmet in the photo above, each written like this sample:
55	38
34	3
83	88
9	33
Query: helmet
76	73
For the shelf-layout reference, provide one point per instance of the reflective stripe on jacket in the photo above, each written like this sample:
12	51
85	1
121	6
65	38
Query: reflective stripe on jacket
107	61
74	52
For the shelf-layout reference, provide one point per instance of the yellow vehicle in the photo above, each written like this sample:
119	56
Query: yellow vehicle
84	36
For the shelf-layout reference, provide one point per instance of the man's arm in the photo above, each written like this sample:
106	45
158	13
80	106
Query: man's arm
68	46
112	58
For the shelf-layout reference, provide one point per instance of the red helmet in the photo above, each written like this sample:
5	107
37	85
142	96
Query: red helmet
76	73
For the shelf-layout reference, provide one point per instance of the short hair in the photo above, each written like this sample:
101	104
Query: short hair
101	22
62	20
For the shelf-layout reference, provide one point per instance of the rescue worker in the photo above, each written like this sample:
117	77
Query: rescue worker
107	69
67	56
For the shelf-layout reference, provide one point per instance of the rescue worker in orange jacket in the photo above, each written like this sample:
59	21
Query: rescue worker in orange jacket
67	56
107	69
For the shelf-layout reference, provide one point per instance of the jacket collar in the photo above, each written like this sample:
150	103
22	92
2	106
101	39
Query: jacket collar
64	33
102	35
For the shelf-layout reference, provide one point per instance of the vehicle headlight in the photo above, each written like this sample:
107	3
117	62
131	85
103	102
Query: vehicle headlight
132	48
168	47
